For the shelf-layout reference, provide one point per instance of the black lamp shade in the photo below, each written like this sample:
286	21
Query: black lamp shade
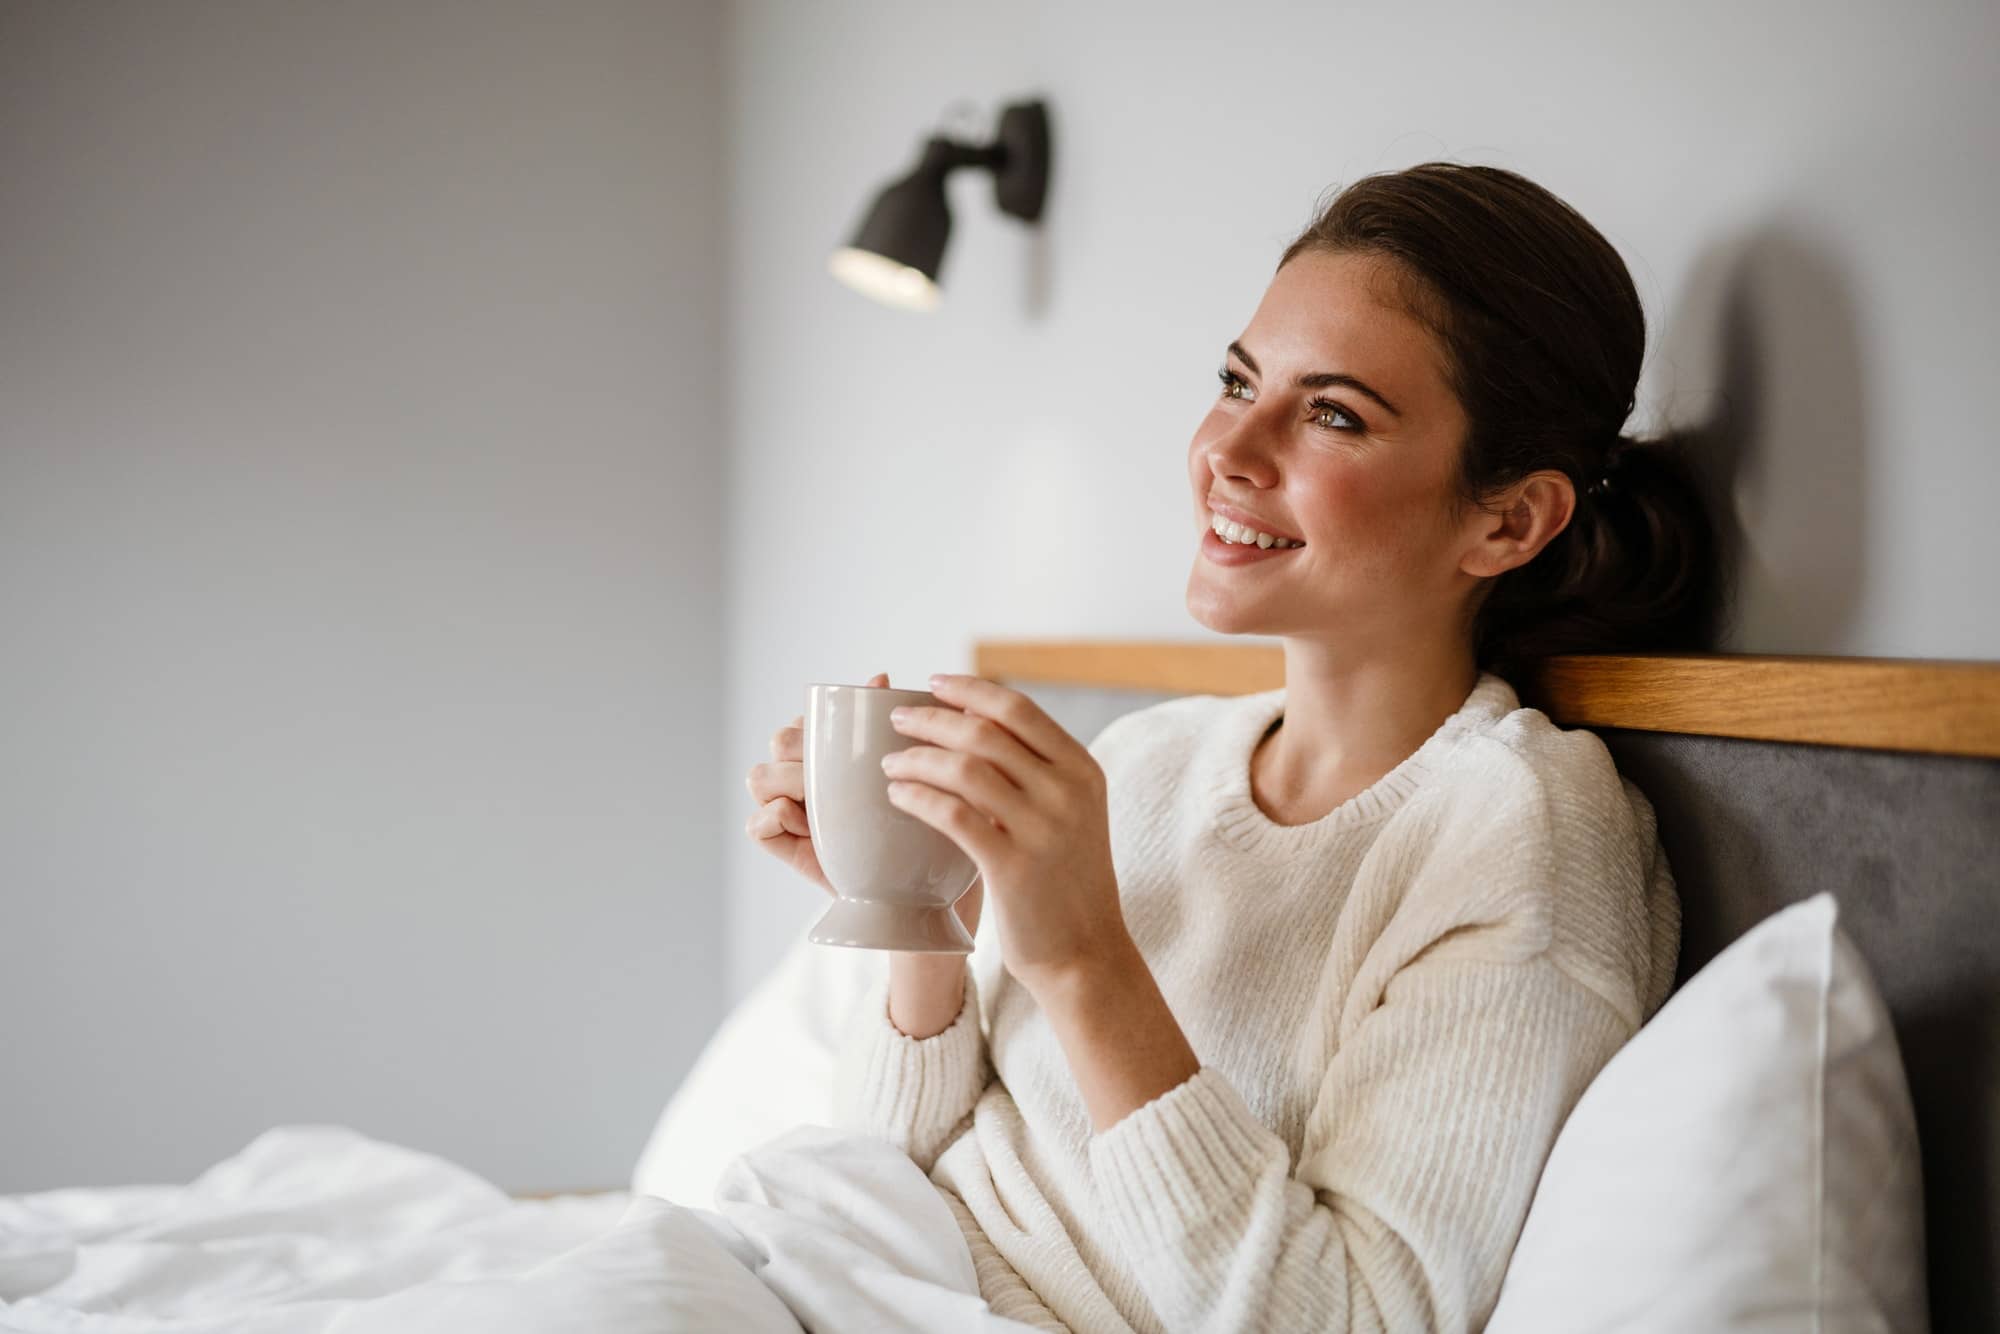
895	253
896	250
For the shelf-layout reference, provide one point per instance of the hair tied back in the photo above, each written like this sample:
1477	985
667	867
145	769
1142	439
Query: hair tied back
1614	458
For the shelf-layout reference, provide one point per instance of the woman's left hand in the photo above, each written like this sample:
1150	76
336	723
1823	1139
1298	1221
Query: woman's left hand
1026	801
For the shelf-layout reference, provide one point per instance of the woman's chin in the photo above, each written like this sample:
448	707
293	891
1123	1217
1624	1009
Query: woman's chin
1216	610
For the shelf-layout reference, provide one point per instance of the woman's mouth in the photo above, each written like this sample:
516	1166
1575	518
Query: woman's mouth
1215	549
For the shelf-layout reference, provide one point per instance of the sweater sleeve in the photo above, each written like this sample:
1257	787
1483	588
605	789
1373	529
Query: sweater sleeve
913	1092
1422	1151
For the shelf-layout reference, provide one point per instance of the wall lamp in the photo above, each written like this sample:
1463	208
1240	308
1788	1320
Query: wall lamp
896	250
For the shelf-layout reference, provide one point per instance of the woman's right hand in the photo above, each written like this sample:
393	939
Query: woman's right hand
778	786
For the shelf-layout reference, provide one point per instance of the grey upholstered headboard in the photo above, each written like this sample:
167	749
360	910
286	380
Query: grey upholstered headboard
1908	841
1909	844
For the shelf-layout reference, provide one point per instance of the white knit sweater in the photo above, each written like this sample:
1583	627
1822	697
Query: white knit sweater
1395	1006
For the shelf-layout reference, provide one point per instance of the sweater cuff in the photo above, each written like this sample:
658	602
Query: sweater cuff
909	1091
1176	1163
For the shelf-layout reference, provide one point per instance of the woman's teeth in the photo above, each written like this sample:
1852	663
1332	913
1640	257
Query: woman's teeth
1237	534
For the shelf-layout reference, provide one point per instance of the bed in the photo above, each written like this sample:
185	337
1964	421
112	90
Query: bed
1773	779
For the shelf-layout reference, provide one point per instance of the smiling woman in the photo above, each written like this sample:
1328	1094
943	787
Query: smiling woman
1298	986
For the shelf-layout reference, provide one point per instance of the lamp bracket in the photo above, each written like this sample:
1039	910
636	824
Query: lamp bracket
1021	176
1018	157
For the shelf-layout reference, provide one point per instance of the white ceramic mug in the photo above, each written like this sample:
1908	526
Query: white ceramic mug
894	877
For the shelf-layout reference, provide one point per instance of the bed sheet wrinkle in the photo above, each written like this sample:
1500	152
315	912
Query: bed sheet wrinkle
321	1230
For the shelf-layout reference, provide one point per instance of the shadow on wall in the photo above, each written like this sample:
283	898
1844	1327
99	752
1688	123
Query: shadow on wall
1039	268
1766	334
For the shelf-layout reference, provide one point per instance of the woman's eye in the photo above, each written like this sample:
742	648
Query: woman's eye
1320	409
1322	406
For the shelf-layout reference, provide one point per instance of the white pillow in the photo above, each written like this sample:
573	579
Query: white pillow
1748	1161
769	1066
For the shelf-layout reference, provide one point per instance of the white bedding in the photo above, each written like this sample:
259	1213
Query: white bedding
320	1230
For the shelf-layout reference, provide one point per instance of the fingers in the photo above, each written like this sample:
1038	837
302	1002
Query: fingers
1012	710
969	734
776	817
777	778
972	779
791	817
955	817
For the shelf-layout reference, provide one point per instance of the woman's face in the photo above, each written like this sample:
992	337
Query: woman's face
1364	479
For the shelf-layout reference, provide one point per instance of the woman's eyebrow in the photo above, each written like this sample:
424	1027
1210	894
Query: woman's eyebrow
1319	379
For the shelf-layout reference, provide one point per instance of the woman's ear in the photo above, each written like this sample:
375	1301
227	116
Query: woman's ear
1512	529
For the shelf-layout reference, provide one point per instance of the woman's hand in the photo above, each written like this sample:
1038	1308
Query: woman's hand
1026	801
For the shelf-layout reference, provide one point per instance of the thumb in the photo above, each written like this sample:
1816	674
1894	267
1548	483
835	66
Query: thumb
879	679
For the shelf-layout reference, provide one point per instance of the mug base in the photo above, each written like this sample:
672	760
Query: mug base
909	928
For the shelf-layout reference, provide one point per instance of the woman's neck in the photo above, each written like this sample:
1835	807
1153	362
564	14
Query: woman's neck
1347	722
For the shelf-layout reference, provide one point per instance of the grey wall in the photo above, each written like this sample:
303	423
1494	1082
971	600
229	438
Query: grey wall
360	484
1806	197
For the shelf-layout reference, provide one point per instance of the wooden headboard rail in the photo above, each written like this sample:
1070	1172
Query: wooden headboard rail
1941	707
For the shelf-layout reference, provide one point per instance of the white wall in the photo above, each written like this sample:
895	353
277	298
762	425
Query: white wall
360	469
407	412
1806	197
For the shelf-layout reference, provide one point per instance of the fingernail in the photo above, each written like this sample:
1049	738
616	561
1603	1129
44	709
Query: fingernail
938	679
899	713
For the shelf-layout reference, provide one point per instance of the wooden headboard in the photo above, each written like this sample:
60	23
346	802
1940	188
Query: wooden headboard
1773	778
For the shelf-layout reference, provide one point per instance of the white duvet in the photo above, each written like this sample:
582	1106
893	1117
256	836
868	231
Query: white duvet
319	1230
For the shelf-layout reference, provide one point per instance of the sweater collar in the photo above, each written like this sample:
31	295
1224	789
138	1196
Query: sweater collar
1247	718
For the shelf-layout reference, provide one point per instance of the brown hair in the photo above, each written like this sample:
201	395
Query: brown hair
1543	334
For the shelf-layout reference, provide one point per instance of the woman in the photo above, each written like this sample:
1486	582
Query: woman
1299	986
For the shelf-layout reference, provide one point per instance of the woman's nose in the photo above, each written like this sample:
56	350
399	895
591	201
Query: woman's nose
1244	452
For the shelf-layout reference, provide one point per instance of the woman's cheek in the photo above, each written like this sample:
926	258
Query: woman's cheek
1374	525
1349	506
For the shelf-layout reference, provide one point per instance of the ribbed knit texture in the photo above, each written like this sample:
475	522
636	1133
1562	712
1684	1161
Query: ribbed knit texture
1395	1006
911	1091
